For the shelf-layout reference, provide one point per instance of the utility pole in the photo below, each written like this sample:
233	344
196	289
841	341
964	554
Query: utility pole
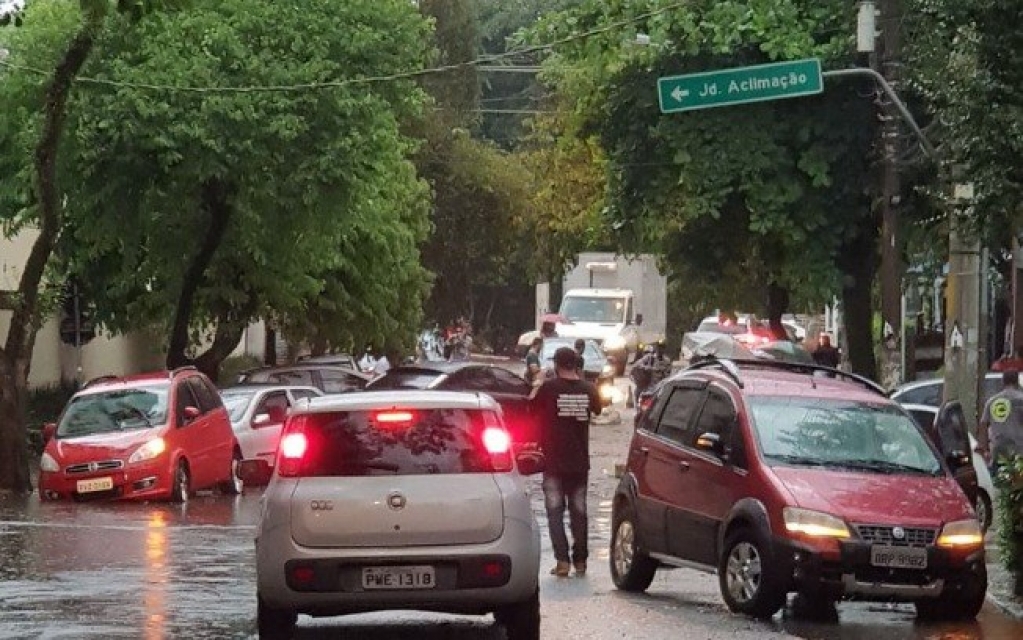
964	360
887	62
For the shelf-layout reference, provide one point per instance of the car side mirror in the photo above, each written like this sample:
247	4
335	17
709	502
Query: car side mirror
49	430
191	413
254	471
530	462
710	442
958	459
261	420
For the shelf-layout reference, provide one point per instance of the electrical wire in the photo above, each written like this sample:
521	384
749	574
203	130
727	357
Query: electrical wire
349	82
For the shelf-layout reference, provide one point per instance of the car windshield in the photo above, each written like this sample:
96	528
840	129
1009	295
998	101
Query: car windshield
237	402
405	379
115	410
840	434
583	309
591	354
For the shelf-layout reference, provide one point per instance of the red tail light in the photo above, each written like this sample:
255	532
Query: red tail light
645	402
498	444
290	453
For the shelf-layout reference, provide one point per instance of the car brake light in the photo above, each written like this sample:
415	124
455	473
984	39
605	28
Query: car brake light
393	417
292	450
645	402
498	444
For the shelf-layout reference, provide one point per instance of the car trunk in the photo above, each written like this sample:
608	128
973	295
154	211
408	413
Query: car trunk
397	511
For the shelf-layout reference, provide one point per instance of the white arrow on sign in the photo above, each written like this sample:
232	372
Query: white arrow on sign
679	93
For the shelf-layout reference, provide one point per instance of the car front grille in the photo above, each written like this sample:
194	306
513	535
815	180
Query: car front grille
884	534
92	467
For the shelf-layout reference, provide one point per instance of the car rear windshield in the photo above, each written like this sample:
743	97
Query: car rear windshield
405	379
819	432
116	410
373	443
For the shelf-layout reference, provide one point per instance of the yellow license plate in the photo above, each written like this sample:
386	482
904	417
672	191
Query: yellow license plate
95	484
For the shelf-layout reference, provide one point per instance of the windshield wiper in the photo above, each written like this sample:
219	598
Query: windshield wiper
884	466
801	461
138	413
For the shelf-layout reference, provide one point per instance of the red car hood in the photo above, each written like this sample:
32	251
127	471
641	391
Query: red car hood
870	498
101	446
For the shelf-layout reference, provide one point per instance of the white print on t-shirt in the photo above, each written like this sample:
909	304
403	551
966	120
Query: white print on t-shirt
574	405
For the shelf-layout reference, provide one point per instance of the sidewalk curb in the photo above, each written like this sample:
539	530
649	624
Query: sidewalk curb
1011	609
1005	602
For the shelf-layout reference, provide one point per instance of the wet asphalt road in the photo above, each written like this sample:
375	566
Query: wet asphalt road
157	571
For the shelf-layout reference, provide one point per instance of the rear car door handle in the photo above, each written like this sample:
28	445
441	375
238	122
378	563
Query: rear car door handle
683	466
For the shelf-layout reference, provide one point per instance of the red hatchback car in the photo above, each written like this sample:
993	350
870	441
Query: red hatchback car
795	478
152	436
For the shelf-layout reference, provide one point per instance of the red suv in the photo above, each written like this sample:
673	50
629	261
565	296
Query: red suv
795	478
151	436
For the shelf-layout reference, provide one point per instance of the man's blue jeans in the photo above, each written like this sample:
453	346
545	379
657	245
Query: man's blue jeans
559	491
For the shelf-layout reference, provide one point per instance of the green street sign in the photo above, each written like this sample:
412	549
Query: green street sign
743	84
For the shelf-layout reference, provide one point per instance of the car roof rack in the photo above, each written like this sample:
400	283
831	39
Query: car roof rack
98	379
799	367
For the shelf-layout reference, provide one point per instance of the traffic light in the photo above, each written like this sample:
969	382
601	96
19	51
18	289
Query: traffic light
76	327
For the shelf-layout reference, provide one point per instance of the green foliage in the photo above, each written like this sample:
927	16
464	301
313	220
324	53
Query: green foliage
234	365
766	192
44	404
316	184
1009	513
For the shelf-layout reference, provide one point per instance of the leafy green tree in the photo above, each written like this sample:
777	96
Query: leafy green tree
199	211
41	109
773	191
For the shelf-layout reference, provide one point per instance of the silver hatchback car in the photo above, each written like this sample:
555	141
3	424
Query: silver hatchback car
397	500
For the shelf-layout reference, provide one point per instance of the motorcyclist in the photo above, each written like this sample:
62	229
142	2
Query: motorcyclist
653	367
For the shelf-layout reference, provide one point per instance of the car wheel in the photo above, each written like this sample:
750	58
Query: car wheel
234	486
521	620
274	624
983	508
182	487
747	575
961	600
631	568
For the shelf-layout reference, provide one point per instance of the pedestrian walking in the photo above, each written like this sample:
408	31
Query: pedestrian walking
534	373
653	367
564	405
826	354
1000	431
580	347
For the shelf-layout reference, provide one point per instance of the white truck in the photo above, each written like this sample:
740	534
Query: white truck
619	302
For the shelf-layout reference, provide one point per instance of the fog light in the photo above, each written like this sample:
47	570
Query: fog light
145	483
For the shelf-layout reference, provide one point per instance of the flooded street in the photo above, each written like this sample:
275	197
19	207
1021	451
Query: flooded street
163	571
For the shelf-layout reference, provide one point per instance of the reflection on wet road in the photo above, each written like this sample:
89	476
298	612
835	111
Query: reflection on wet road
167	571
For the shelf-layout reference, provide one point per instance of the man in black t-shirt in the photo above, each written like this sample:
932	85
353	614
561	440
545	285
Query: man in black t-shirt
564	405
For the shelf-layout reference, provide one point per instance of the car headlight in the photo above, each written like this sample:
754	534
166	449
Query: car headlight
815	524
48	463
614	342
962	533
148	451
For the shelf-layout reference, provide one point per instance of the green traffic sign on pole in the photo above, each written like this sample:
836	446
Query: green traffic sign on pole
740	85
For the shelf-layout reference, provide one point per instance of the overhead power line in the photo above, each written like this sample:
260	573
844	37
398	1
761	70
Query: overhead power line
348	82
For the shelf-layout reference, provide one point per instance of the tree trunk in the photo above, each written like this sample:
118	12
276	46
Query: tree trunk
859	264
214	202
16	356
227	337
777	306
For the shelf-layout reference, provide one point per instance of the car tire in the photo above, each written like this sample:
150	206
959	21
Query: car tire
274	624
234	486
521	621
983	507
748	576
631	569
961	600
181	489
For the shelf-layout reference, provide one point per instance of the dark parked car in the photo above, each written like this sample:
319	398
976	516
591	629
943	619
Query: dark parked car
510	391
345	360
326	378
